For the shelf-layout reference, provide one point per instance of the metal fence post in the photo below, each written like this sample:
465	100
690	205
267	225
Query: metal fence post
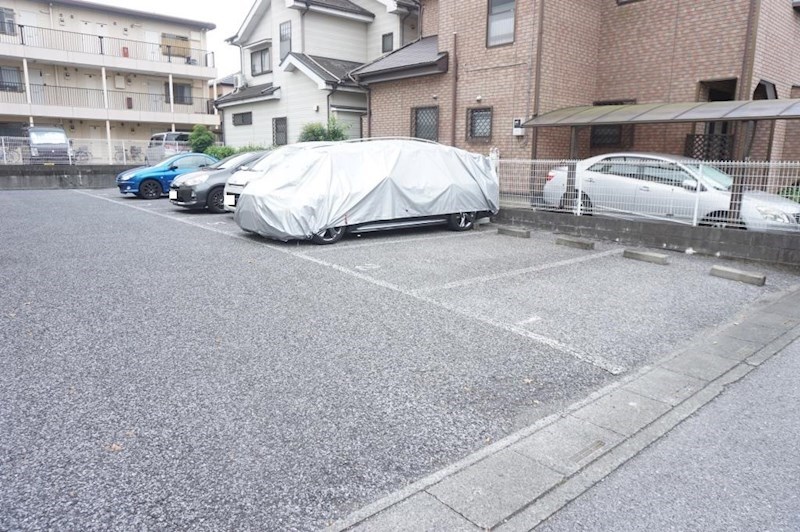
3	140
578	191
697	198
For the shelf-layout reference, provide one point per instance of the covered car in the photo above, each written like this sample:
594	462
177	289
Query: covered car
360	186
256	169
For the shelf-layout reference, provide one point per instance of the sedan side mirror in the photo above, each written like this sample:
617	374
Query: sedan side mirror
173	167
690	184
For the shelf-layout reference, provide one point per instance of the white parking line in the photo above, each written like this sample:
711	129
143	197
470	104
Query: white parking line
596	361
522	271
533	319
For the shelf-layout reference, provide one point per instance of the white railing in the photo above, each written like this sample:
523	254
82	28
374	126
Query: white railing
745	195
19	151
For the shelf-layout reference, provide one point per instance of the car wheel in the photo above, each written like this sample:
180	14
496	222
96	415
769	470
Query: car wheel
150	189
462	221
216	200
568	204
722	220
329	236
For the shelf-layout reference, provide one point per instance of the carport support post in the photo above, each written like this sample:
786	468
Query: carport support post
739	173
573	155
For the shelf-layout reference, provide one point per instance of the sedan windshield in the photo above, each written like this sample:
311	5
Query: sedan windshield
713	176
233	161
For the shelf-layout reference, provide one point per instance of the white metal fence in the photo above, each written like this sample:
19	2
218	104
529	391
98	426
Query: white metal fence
746	195
19	150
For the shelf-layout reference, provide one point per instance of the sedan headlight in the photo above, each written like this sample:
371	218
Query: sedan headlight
194	180
774	215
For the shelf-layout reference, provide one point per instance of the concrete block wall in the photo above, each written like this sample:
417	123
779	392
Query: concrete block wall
29	177
769	248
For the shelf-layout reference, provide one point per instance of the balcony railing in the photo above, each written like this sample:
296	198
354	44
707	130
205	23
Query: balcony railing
101	45
93	98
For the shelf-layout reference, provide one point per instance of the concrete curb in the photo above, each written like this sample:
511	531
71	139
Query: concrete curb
520	481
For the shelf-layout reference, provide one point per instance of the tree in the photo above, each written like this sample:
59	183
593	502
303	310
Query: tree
316	131
200	138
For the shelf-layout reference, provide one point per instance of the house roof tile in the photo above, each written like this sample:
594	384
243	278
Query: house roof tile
248	93
422	52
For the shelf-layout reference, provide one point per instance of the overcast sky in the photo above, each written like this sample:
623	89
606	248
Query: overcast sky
228	15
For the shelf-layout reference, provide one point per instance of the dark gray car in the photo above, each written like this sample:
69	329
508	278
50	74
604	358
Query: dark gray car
205	188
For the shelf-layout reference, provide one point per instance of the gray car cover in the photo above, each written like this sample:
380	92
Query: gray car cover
349	183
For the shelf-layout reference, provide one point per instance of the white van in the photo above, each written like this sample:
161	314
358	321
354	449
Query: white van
167	144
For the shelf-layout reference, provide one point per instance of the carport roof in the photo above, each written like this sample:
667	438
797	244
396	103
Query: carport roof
654	113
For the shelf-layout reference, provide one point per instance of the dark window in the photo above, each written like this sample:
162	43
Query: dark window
286	38
612	136
260	62
479	124
242	119
11	80
7	24
388	42
425	123
182	91
280	130
500	22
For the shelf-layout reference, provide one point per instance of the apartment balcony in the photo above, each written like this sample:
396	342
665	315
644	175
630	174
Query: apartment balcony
90	104
70	48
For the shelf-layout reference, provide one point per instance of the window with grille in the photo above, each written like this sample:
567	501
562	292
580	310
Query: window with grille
280	136
260	62
242	119
8	25
479	124
11	80
182	92
286	38
425	123
500	22
387	43
612	136
175	45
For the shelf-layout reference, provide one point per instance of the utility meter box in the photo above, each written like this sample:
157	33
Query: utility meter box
518	130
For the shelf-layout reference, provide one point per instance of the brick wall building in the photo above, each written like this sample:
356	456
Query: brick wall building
507	60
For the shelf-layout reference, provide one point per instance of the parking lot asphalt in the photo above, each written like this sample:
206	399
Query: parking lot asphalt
160	368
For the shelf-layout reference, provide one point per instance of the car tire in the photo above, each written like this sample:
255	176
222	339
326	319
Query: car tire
216	200
568	204
720	219
329	236
150	189
461	221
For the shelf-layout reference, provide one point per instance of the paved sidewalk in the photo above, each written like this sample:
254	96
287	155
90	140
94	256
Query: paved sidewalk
518	482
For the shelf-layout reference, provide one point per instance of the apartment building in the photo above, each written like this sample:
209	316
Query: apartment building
105	74
484	67
295	60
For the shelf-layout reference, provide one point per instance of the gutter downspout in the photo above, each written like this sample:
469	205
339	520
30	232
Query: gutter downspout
454	108
538	91
369	102
303	27
743	131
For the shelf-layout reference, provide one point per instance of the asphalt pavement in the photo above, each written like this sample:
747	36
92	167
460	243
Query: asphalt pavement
161	369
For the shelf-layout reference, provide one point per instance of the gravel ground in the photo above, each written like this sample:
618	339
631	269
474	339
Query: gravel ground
160	369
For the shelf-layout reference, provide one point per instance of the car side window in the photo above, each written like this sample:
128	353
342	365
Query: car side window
664	173
619	166
192	161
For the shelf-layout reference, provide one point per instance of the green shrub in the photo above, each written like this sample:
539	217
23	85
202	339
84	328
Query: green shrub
793	193
249	148
220	152
316	131
201	138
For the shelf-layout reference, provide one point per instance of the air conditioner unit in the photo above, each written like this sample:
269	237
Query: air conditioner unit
238	82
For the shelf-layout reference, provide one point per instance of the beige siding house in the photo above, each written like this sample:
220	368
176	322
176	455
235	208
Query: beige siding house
105	74
296	56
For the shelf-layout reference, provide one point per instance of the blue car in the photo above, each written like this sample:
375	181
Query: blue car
151	182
